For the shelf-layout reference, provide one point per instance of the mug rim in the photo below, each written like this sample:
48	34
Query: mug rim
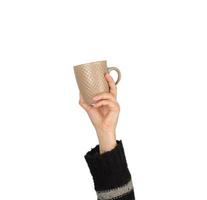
80	65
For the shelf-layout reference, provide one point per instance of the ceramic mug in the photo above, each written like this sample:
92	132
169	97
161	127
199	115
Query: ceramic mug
90	79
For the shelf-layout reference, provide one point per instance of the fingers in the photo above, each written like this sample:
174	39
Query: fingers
112	85
107	96
111	104
83	103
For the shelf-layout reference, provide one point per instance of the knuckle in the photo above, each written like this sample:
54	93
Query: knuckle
110	95
117	107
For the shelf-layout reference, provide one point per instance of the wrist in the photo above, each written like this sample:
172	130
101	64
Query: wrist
107	141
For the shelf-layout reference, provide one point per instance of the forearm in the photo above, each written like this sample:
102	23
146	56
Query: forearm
111	176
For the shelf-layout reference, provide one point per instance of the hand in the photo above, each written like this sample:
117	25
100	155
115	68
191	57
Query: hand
104	115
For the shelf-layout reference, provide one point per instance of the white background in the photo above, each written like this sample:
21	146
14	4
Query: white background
161	49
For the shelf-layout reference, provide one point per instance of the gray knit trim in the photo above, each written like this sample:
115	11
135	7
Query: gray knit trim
116	192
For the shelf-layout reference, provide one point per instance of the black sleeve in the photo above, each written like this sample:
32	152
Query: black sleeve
111	176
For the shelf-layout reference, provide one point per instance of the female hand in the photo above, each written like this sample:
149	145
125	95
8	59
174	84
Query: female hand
104	115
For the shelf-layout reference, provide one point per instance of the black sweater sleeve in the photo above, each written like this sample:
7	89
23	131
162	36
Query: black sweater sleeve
111	176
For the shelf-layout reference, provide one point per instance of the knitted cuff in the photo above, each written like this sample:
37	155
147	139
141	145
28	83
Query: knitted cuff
110	173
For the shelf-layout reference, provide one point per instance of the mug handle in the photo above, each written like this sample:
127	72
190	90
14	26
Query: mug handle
118	72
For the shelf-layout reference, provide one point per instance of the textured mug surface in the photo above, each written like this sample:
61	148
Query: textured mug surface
90	79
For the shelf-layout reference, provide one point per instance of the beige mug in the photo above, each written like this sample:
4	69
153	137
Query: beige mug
90	79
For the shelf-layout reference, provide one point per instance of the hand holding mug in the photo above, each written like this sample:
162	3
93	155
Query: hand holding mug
104	115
